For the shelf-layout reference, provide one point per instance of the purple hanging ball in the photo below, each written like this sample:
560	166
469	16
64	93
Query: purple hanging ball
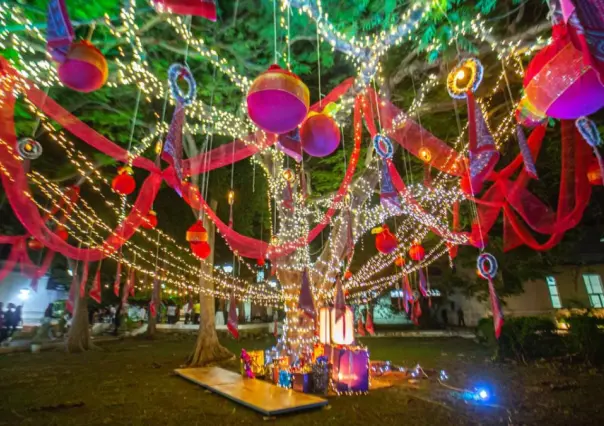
320	135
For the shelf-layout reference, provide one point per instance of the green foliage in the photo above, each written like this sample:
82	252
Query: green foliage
586	337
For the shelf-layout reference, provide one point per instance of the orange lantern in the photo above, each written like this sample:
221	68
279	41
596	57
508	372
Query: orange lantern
385	241
197	233
399	261
594	173
35	244
84	69
417	252
124	183
150	221
425	155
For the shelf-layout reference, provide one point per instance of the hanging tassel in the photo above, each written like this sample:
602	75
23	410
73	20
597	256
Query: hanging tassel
83	280
423	284
527	158
416	312
95	291
305	301
590	133
232	322
118	279
496	309
59	32
388	195
361	328
369	323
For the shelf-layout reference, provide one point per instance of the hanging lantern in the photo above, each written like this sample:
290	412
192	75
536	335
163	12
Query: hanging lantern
150	221
62	233
288	175
558	83
35	244
124	183
594	173
197	233
278	100
399	261
320	135
274	240
260	262
425	155
385	241
200	249
417	252
84	69
347	275
231	197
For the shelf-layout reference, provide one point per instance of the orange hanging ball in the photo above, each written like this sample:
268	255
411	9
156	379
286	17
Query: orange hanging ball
62	233
399	261
594	173
319	135
34	244
150	221
84	69
201	249
124	183
417	252
197	233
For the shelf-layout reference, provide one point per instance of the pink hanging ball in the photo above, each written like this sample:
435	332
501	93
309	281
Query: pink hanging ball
84	69
320	135
278	100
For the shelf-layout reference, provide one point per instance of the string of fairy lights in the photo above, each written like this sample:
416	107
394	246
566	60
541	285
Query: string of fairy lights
365	52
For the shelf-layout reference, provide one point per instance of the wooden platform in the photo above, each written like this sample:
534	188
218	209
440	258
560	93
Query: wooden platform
259	395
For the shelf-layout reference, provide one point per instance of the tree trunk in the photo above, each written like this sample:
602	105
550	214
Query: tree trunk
78	339
152	319
208	349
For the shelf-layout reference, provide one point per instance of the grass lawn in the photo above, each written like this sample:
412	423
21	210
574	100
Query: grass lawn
131	382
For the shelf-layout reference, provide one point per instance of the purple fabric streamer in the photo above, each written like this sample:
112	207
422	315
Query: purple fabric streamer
59	32
529	163
423	283
388	196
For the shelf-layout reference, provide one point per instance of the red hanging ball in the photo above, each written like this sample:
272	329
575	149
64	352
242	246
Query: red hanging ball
84	69
150	221
320	135
594	173
201	249
34	244
399	261
62	233
385	241
197	233
124	183
260	262
417	252
347	275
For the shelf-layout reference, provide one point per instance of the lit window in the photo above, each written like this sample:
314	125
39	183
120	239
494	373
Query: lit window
593	284
553	291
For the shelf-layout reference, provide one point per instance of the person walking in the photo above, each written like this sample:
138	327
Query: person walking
186	309
171	313
461	322
196	313
445	317
10	320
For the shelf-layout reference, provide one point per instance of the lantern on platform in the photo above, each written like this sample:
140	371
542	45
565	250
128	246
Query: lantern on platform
84	69
35	244
278	100
320	135
594	173
417	252
559	83
123	183
342	329
385	241
150	221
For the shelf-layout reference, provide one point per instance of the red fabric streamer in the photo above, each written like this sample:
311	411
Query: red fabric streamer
408	293
118	279
83	280
232	321
95	291
369	323
132	282
496	309
360	328
423	284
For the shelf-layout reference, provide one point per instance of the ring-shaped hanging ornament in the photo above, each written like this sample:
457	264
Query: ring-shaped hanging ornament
589	131
464	78
487	265
29	148
176	72
383	146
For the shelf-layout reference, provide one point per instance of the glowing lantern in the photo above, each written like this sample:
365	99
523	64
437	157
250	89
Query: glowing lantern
200	249
594	173
84	69
34	244
320	135
558	83
342	329
274	240
399	261
288	175
197	233
150	221
231	197
417	252
347	275
425	155
324	326
278	100
385	241
123	183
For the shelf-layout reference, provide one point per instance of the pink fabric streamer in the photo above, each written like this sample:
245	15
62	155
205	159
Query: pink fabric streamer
529	163
423	284
232	322
369	323
95	291
83	280
496	309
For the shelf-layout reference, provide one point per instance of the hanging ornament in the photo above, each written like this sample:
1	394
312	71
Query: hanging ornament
590	133
347	275
594	173
320	135
462	82
150	220
486	264
29	149
278	100
389	197
416	251
201	249
369	322
172	152
84	69
124	183
361	328
385	241
399	261
35	244
231	201
203	8
559	83
425	154
61	232
260	262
